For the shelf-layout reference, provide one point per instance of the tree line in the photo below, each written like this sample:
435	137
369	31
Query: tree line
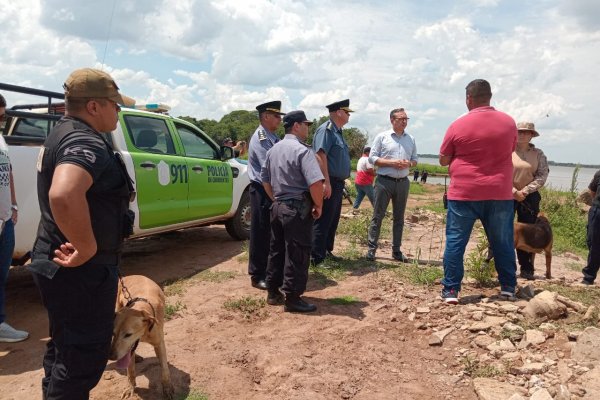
241	124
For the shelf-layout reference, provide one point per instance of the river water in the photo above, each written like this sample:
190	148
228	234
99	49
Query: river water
559	177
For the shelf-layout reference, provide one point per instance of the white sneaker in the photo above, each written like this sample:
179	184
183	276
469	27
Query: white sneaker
8	334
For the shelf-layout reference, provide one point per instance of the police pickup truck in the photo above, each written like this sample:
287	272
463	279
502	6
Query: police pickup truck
181	176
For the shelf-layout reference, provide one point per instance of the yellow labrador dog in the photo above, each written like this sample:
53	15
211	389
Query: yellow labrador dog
140	312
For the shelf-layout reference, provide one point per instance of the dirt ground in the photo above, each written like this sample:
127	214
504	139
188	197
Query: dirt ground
369	349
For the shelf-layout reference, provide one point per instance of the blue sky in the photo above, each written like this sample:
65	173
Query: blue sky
207	58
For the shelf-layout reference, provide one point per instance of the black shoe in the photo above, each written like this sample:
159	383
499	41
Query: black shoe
316	261
398	256
370	255
527	275
259	283
275	298
586	282
333	257
295	303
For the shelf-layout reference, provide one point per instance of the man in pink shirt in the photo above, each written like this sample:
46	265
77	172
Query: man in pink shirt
478	148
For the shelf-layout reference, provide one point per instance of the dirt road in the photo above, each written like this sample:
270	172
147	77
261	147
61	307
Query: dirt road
368	339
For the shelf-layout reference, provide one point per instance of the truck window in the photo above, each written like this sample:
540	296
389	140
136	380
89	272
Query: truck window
150	134
195	145
32	128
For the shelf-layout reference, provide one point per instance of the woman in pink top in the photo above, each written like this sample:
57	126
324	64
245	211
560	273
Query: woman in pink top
364	179
530	171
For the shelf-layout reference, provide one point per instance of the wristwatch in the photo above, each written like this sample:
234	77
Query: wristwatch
14	207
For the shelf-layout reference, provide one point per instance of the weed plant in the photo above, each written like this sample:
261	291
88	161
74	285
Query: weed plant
344	300
214	276
477	267
171	310
249	306
193	395
567	220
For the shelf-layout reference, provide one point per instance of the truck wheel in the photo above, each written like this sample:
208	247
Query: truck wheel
238	227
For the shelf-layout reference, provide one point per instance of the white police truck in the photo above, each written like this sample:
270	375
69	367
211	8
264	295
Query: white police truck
181	176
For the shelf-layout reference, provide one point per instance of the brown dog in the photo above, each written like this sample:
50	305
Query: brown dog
140	317
535	238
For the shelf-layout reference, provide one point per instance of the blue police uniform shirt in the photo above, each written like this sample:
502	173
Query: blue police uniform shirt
390	145
328	138
261	141
291	168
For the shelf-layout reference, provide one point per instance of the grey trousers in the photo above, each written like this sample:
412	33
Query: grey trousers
386	190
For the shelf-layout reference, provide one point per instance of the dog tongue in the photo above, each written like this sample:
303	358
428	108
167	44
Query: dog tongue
123	363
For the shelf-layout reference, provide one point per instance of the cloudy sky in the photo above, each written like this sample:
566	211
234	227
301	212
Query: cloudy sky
207	58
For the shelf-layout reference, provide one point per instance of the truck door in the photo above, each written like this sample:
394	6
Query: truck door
210	189
161	174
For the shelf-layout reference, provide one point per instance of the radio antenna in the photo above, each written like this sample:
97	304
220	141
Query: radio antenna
112	13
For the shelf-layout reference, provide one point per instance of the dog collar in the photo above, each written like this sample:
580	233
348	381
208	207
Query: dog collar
137	299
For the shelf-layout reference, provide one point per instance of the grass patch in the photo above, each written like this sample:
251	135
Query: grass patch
171	310
175	288
356	228
437	208
248	305
418	275
585	295
332	271
567	220
214	276
193	395
351	252
245	253
475	369
574	266
416	188
344	300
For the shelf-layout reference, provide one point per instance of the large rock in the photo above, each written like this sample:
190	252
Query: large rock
490	389
529	368
437	338
591	382
541	394
587	347
534	336
545	306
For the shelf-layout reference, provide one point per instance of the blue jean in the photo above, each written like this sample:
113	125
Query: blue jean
361	191
497	219
7	245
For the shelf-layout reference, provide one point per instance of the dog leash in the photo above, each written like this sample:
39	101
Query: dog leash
132	301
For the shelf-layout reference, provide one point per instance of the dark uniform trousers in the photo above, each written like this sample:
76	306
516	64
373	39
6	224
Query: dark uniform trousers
325	227
527	211
81	308
590	272
260	231
289	257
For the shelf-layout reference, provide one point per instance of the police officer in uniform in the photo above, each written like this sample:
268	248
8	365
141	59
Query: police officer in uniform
334	155
293	180
261	141
83	193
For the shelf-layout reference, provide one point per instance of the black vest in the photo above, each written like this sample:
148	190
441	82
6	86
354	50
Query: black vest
108	197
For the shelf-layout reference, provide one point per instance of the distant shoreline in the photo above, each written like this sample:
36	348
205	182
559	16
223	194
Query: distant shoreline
560	164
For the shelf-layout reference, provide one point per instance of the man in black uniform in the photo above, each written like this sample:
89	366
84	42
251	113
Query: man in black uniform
263	138
593	233
334	155
83	191
293	180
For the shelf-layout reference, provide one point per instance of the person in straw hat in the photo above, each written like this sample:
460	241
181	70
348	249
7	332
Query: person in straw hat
530	171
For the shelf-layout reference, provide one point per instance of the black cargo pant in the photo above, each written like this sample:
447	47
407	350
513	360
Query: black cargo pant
260	231
289	255
590	272
527	211
81	308
325	227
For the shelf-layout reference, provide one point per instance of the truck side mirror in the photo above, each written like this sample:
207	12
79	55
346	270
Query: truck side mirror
226	153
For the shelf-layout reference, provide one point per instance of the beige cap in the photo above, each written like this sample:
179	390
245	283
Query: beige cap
90	82
527	126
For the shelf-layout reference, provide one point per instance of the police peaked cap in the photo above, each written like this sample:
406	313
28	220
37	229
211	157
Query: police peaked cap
340	105
295	116
272	106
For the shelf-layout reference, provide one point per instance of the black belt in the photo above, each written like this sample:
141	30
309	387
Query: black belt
392	179
294	203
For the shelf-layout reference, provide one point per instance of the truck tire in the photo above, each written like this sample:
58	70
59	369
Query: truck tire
238	226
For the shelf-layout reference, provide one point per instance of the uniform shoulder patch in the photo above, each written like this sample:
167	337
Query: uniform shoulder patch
262	135
329	126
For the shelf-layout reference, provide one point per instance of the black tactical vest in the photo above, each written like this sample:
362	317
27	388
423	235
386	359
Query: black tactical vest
108	197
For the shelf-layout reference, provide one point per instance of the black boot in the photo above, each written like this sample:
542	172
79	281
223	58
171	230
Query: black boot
294	303
275	297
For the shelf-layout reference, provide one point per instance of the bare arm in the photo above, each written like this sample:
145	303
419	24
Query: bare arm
395	163
316	193
269	190
13	197
70	210
445	160
322	159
